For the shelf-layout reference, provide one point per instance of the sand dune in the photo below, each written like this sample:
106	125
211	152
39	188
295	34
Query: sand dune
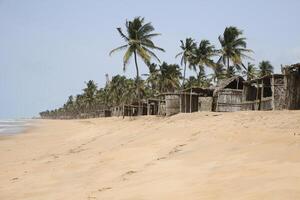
243	155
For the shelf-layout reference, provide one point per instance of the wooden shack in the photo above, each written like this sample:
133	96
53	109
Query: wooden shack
292	86
188	100
196	99
129	109
153	106
266	93
227	96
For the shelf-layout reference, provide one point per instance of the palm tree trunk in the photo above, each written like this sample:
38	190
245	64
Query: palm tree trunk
227	64
137	83
184	70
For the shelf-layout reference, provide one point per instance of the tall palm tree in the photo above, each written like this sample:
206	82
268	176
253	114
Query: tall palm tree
89	94
169	77
202	55
138	43
201	58
187	48
233	47
265	68
250	72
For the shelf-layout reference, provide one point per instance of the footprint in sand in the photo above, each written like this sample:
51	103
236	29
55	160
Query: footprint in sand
127	174
176	149
104	188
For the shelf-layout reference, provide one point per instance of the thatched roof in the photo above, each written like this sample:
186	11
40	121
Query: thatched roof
264	77
225	82
292	68
202	91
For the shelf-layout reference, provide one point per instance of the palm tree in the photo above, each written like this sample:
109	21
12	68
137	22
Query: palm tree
202	55
138	43
219	73
265	68
231	71
89	94
250	71
201	58
153	79
233	47
169	77
187	48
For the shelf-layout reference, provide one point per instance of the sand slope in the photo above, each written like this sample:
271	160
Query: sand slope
243	155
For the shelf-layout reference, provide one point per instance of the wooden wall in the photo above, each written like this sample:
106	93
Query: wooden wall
205	103
172	104
292	81
228	100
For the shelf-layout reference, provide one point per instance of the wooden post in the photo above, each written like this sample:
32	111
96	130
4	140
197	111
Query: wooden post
273	92
185	102
148	107
159	108
191	100
262	89
180	102
257	93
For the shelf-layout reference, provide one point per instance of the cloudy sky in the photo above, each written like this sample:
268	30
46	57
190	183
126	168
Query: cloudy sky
49	48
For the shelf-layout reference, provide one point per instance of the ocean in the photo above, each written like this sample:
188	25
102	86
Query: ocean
10	126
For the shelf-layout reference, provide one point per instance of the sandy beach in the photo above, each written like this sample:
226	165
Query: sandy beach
242	155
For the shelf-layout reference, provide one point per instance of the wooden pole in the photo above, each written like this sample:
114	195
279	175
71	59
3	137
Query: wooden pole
185	102
191	100
148	107
273	92
257	92
180	102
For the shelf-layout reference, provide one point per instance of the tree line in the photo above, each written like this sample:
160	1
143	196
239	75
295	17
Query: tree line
225	62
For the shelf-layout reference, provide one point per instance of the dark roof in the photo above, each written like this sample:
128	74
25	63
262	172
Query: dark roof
199	90
292	68
264	77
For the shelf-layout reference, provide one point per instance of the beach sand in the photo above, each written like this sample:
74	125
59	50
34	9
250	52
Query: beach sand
242	155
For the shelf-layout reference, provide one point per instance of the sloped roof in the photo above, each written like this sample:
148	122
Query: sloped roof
225	82
292	68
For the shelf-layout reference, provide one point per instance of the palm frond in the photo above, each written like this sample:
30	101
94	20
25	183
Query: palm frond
122	34
118	49
152	54
126	58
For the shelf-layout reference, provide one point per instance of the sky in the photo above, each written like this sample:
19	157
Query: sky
50	48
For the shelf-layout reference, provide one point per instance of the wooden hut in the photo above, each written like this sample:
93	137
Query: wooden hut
129	109
266	93
188	100
196	99
153	106
227	96
292	86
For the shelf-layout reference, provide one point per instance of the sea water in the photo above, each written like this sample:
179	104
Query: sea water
13	126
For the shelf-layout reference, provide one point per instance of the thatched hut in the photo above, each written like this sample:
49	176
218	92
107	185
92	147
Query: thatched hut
196	99
292	86
227	96
154	106
266	93
188	100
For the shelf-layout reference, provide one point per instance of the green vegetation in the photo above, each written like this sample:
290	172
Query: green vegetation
197	57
